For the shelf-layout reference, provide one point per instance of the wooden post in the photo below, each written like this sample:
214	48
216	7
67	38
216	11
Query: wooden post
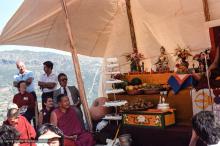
206	10
213	45
36	113
77	69
131	24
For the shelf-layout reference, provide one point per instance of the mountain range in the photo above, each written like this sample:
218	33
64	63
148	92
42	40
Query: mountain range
90	69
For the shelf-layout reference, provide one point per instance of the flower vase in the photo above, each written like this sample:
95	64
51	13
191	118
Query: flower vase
133	67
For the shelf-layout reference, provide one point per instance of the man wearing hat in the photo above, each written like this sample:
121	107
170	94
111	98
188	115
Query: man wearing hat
27	132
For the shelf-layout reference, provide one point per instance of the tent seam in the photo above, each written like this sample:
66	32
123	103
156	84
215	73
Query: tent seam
105	26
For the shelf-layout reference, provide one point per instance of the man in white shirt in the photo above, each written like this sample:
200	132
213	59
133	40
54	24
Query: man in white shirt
48	81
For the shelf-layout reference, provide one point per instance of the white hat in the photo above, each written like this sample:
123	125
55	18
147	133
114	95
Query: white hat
48	135
12	105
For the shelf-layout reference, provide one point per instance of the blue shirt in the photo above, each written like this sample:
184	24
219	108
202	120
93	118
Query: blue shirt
23	77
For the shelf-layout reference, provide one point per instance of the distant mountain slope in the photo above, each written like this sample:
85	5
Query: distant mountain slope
90	68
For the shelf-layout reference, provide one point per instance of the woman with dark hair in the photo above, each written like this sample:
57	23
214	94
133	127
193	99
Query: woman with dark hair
25	101
44	115
50	134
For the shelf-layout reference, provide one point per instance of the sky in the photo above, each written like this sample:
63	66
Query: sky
7	10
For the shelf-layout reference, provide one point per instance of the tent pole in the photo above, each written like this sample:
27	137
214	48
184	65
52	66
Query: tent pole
131	25
206	10
77	68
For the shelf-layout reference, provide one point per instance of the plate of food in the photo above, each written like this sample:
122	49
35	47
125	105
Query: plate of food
139	105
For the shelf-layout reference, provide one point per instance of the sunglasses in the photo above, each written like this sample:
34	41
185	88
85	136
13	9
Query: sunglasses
64	79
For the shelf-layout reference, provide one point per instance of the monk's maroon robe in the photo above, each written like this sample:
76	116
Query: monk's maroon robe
69	123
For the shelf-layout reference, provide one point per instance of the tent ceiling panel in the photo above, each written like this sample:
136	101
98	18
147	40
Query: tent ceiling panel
41	23
214	6
174	23
101	28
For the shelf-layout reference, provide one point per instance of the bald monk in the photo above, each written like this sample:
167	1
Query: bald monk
65	118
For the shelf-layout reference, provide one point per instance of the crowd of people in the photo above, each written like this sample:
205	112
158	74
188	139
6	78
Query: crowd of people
59	122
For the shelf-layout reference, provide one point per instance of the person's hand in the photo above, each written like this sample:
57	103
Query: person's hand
209	72
73	137
194	139
24	107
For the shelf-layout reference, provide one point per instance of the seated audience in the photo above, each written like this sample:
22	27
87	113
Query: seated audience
25	101
205	128
52	134
8	136
44	115
27	132
65	118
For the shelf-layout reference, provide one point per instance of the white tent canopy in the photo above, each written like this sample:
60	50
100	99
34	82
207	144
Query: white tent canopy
101	28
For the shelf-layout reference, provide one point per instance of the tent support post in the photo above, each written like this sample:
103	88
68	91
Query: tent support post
131	24
77	68
206	10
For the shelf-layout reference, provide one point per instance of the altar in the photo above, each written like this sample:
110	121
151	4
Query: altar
178	134
182	101
150	97
153	78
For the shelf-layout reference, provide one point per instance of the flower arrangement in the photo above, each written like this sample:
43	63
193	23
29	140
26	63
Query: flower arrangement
182	58
134	58
182	53
200	58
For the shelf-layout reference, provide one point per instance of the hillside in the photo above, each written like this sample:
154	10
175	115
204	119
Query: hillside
90	68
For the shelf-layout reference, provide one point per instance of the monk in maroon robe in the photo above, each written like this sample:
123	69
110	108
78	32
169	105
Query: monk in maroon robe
65	118
27	132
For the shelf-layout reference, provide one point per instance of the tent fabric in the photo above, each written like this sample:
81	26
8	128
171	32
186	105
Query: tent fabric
101	28
41	23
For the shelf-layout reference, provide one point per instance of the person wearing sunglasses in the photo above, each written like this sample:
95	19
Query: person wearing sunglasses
71	92
49	135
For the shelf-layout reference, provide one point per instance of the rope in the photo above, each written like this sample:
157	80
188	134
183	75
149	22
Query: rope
94	81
